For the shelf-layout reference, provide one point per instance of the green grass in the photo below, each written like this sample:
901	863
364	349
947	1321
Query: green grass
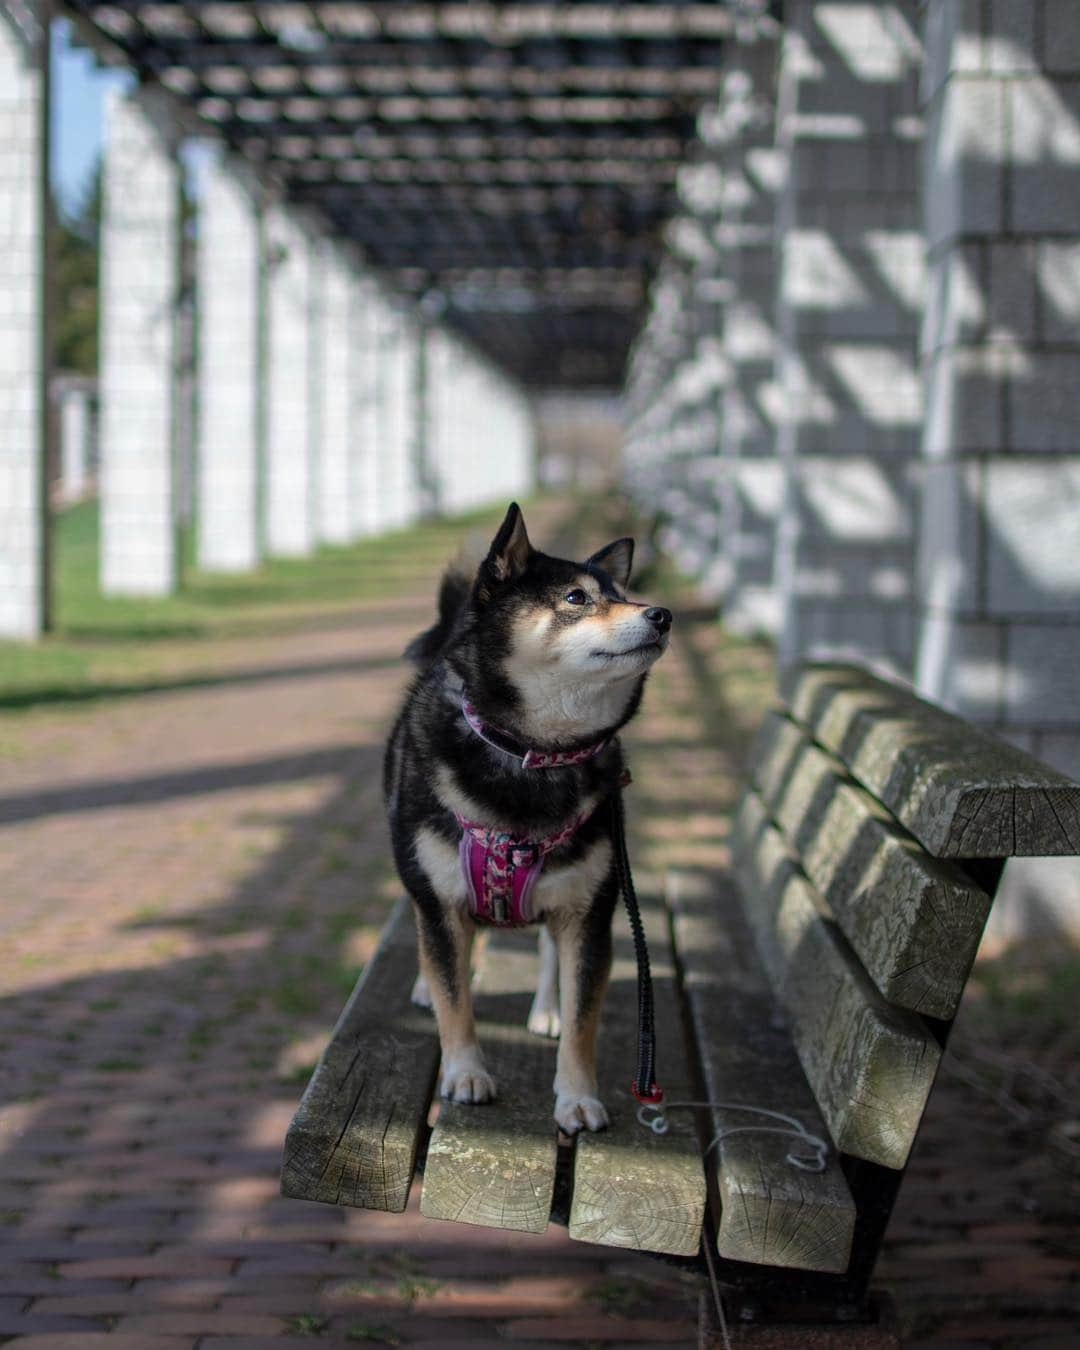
106	645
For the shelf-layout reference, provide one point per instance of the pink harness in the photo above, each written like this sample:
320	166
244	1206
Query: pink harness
501	870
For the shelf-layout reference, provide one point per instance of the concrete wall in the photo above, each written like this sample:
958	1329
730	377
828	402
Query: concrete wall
900	333
999	566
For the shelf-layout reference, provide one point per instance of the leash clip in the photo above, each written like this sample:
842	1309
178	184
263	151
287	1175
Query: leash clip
652	1097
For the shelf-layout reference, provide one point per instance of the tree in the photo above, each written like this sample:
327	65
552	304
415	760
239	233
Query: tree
75	294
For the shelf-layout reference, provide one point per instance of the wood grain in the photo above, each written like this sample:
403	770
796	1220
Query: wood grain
634	1188
913	920
871	1065
494	1164
354	1138
962	792
770	1212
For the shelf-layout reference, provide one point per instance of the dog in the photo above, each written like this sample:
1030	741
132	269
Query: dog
498	775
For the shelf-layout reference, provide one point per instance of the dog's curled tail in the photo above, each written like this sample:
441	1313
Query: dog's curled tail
454	591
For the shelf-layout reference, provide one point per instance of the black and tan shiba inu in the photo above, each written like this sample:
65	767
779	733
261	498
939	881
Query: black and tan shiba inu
498	775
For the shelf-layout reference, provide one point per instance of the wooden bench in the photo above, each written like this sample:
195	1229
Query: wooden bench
818	978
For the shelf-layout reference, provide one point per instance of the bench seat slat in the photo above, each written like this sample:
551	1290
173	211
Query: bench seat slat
871	1065
494	1164
913	920
771	1213
634	1188
354	1138
961	791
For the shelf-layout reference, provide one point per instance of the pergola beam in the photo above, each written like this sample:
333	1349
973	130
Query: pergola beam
302	26
456	143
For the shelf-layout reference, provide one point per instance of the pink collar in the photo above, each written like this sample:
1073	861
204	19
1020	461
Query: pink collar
530	759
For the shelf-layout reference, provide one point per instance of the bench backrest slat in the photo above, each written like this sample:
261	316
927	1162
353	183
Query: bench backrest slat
961	791
913	920
871	1065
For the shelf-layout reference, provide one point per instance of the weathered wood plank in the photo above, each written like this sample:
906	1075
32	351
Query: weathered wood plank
871	1065
354	1137
634	1188
914	921
495	1164
771	1213
961	791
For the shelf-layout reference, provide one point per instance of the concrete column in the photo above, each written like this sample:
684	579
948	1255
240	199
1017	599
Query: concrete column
23	169
399	486
851	292
293	356
73	397
230	367
999	631
339	441
441	420
139	293
752	171
366	406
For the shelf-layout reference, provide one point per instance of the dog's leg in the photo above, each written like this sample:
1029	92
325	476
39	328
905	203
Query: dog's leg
544	1013
584	947
445	948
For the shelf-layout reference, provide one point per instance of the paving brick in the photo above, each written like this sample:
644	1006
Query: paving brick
142	1267
570	1328
107	1340
200	1324
33	1322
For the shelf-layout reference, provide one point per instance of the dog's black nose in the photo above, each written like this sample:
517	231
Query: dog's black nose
660	617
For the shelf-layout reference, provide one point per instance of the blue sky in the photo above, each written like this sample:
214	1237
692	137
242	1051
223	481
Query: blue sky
78	89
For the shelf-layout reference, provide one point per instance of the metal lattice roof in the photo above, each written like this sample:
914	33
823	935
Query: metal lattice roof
516	159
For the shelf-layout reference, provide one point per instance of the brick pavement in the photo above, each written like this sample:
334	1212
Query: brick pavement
191	879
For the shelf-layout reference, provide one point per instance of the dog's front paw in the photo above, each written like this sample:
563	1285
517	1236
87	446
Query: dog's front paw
466	1080
543	1019
575	1112
421	993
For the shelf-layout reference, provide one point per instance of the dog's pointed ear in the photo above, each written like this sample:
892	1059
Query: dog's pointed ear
616	560
509	553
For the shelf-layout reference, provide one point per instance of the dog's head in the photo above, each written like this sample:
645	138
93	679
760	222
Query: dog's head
566	617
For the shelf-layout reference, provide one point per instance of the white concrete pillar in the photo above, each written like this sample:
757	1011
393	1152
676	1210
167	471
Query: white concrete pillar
292	358
399	486
72	398
999	627
752	171
139	291
366	391
230	367
339	435
1000	547
851	295
23	169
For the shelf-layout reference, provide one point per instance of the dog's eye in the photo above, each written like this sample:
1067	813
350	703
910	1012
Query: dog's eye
576	597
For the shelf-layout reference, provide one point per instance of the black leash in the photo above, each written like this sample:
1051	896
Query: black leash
644	1086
